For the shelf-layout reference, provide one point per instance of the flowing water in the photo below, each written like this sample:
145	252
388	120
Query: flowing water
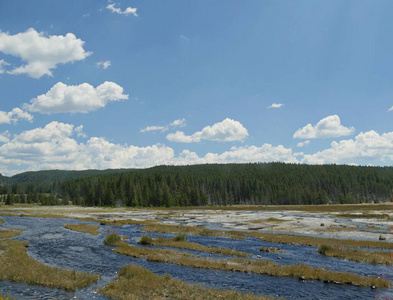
54	245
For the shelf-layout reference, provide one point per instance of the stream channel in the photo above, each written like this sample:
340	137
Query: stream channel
54	245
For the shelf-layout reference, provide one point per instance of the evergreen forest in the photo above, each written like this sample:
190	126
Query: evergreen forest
198	185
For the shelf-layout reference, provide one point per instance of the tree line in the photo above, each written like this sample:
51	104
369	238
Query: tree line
215	184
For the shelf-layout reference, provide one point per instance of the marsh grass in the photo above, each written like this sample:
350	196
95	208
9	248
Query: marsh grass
134	282
180	242
314	241
146	240
112	239
164	228
16	265
265	267
365	256
8	233
1	220
86	228
365	215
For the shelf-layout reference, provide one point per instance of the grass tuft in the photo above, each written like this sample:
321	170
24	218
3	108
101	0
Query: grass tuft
365	256
112	239
86	228
146	240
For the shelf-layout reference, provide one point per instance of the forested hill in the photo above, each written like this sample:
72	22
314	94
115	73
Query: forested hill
51	176
264	183
218	184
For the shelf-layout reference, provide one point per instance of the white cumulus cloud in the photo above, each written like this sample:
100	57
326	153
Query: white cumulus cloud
368	147
391	109
14	115
302	144
103	64
83	98
54	147
128	11
178	123
41	53
275	105
264	153
226	131
328	127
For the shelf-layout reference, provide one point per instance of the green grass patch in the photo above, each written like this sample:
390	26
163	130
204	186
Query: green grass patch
112	239
365	256
182	243
86	228
134	282
8	233
314	241
265	267
164	228
365	215
17	266
146	240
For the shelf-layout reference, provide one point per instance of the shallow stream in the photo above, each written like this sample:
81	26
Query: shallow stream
54	245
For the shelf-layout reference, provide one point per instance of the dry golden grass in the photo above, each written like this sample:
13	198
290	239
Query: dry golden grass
314	241
8	233
164	228
86	228
242	265
365	215
134	282
184	244
369	257
16	265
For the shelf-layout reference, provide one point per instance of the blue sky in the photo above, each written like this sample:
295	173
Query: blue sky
104	84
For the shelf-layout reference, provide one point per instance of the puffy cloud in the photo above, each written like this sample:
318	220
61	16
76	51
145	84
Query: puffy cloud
302	144
128	11
368	147
3	63
276	105
178	123
154	128
62	98
14	115
79	131
54	147
41	53
391	109
326	128
226	131
103	64
264	153
4	137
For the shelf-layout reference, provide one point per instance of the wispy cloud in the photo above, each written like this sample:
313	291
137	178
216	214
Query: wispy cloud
154	128
103	64
276	105
175	123
128	11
